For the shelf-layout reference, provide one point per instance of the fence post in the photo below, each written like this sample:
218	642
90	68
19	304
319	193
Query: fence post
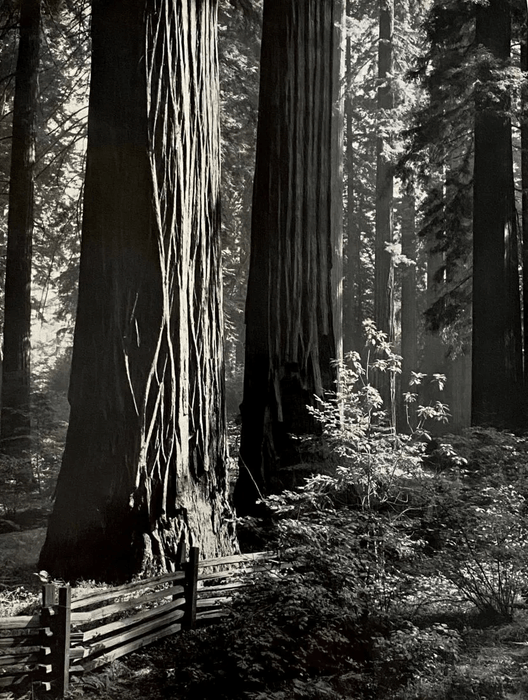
62	631
57	616
191	589
46	621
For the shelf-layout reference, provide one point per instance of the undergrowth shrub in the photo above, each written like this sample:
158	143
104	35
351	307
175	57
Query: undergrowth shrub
307	633
377	463
411	652
398	521
478	507
330	624
463	498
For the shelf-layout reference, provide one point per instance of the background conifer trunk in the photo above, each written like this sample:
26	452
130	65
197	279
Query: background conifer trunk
496	359
15	416
384	268
352	294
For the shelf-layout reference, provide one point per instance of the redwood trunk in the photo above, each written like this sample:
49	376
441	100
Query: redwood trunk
15	417
409	309
434	353
292	321
524	183
496	375
458	391
144	468
352	312
384	268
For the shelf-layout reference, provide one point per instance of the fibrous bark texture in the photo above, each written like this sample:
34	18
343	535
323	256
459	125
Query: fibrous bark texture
15	417
434	350
497	368
409	308
144	469
352	292
524	180
293	305
384	268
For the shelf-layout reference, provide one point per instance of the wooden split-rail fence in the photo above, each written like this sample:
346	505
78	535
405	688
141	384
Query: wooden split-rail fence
73	636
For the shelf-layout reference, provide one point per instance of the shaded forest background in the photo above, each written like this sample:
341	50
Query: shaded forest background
425	90
374	341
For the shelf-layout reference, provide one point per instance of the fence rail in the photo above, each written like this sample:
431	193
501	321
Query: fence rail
75	636
25	650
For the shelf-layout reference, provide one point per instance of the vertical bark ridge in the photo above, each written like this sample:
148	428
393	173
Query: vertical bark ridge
291	330
409	309
384	268
352	299
524	181
336	138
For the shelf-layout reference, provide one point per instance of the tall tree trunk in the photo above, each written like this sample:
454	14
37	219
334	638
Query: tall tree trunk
352	293
434	354
409	309
15	417
458	391
524	184
384	268
292	323
144	468
496	376
458	179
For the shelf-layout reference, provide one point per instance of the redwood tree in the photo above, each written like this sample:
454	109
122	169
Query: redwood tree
292	310
352	291
384	284
524	179
15	416
384	268
409	306
497	369
144	468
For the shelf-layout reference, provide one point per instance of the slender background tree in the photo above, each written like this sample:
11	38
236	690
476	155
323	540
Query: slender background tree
384	279
15	425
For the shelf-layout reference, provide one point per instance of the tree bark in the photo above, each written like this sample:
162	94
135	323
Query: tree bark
144	468
458	391
409	308
524	183
292	312
497	368
15	434
434	353
384	268
352	293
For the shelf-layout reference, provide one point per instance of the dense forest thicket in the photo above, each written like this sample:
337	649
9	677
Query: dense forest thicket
265	285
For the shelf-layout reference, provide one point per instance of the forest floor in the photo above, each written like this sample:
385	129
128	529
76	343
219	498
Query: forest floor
490	668
492	665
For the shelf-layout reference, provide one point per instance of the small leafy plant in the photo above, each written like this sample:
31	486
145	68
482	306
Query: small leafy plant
484	522
470	491
377	463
